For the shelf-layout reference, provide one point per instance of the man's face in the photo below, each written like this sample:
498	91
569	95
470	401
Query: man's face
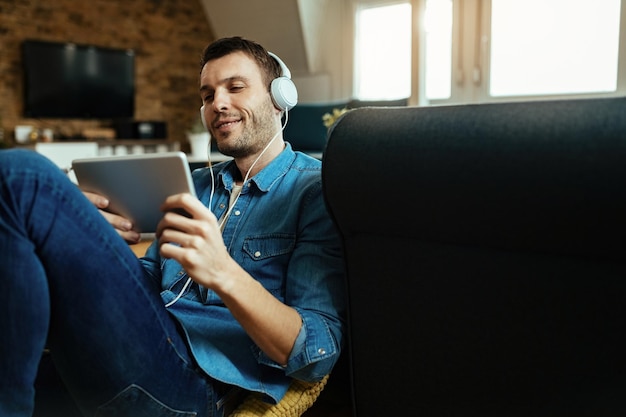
238	108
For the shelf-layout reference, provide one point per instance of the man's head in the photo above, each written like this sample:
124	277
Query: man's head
239	109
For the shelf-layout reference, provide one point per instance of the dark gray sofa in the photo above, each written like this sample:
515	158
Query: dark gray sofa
486	256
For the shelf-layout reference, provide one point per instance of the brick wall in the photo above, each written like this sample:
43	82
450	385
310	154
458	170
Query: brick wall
167	35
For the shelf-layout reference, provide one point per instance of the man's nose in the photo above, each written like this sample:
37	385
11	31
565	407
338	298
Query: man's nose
221	100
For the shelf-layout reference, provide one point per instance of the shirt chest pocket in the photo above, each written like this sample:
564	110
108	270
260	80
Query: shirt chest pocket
266	257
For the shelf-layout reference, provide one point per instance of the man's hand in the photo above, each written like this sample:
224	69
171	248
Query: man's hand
190	233
122	225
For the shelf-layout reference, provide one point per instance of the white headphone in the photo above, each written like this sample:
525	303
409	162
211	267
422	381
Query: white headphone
283	90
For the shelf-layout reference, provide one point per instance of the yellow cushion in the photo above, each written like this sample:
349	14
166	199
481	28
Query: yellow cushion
298	398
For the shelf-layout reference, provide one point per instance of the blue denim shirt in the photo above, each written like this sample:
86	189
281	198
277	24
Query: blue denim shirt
280	232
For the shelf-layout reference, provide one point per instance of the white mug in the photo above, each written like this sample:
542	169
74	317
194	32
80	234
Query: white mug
22	133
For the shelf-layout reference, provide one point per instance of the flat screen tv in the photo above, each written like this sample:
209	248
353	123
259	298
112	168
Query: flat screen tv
67	80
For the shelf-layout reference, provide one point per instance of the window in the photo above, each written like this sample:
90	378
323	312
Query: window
475	50
383	52
489	50
438	49
570	47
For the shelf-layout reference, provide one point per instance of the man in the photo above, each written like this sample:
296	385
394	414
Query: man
245	292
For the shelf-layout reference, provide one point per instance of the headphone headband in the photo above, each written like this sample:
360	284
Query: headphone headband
284	71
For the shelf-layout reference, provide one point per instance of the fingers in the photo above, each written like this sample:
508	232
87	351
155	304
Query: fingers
193	229
180	237
181	208
185	203
174	226
97	199
122	225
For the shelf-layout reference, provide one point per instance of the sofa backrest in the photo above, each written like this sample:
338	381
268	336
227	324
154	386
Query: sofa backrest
486	255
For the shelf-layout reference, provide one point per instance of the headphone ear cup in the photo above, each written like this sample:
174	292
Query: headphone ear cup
284	93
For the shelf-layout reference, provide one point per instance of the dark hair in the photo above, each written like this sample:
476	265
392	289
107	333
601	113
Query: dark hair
224	46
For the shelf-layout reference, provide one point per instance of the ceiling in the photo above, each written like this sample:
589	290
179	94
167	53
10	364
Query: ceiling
275	24
311	36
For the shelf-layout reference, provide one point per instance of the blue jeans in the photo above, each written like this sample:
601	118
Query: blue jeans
69	282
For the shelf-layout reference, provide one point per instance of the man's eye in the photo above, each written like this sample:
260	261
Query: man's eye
236	88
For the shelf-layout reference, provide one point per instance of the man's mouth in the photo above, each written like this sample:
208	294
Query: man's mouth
226	124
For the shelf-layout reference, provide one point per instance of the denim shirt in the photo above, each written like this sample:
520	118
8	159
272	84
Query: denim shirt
280	232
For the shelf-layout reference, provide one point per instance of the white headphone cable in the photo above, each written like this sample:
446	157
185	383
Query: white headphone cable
245	179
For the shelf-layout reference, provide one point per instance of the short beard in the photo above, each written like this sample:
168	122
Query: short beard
255	136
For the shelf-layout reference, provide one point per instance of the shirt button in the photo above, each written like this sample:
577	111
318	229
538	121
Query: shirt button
321	351
237	212
257	254
222	205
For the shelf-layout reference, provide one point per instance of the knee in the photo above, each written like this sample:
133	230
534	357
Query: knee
24	159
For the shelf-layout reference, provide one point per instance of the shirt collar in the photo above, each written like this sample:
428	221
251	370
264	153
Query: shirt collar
265	178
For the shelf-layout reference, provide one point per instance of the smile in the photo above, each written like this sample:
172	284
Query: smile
226	125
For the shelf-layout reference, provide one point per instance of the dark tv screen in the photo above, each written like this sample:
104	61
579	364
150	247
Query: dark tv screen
67	80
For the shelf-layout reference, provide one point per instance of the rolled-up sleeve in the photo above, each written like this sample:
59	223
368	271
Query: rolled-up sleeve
316	289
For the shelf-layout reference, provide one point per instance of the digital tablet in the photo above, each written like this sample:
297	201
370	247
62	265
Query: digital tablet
136	185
